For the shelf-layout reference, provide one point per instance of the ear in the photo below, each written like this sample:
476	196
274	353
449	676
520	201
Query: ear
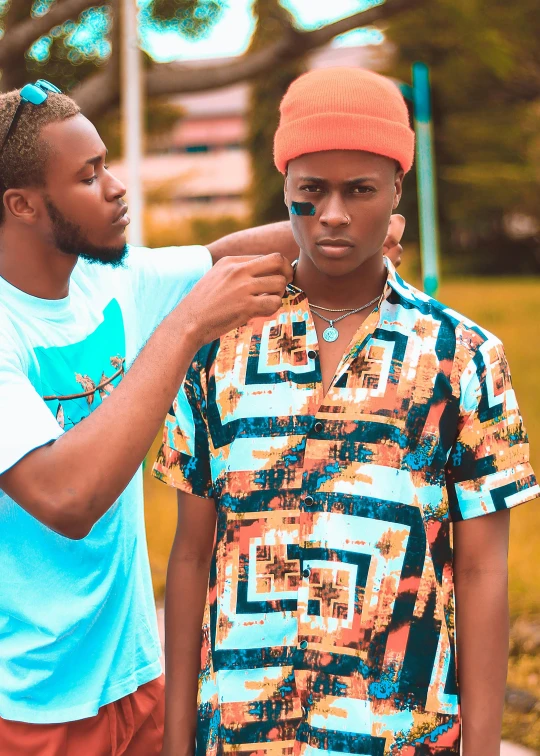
22	205
285	182
398	188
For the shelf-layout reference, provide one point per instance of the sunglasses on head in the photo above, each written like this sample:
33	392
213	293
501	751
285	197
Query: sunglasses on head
35	94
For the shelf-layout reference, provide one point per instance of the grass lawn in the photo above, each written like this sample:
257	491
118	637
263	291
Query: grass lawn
509	308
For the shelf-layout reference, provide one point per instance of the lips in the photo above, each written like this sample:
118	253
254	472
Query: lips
334	247
328	242
122	218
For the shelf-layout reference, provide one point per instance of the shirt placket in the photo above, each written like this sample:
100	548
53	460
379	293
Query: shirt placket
312	501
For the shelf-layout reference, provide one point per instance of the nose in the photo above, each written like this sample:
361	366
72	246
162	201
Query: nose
116	189
334	212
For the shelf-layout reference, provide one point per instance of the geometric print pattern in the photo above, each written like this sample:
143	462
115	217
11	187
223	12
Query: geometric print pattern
330	620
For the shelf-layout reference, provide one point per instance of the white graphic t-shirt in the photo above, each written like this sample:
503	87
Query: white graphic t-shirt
77	618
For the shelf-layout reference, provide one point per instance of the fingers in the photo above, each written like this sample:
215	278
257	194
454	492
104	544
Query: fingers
266	305
271	264
394	254
269	285
392	247
396	228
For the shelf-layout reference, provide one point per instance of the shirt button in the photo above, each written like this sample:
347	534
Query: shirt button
311	354
318	426
306	572
304	645
309	501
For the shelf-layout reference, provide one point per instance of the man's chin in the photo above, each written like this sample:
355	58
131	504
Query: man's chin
336	267
111	256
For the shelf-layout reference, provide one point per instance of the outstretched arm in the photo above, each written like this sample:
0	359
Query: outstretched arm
260	240
278	237
70	483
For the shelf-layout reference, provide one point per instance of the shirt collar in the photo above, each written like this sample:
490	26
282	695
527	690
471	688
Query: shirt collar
393	281
403	289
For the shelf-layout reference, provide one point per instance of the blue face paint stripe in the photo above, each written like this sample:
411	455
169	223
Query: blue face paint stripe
302	208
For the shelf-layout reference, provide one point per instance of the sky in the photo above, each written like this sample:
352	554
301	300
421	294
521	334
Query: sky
231	34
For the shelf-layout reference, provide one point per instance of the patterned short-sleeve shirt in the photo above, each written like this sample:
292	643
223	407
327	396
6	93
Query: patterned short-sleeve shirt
330	614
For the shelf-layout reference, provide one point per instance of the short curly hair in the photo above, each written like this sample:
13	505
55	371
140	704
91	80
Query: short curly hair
23	160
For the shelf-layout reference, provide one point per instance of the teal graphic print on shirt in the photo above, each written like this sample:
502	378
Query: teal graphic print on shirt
76	378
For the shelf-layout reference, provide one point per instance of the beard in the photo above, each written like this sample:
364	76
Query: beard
69	238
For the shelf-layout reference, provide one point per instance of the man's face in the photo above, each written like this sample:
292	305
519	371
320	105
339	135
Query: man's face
86	215
340	204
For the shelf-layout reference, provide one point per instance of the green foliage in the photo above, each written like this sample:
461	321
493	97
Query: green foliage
77	48
266	191
193	18
485	72
70	53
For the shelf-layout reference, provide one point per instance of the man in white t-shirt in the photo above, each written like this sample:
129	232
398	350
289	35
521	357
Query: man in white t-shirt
79	650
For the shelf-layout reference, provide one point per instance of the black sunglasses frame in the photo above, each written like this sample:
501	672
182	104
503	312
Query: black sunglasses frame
44	88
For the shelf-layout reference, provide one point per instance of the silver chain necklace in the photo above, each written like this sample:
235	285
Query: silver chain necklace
331	333
331	309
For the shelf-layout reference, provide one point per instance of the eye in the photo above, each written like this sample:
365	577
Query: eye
363	189
106	167
311	188
89	181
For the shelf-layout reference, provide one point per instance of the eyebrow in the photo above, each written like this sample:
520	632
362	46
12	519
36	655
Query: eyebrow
93	161
350	182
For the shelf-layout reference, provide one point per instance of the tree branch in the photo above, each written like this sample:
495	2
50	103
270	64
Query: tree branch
175	78
24	34
100	91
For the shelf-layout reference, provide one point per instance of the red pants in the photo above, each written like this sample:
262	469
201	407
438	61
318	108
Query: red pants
132	726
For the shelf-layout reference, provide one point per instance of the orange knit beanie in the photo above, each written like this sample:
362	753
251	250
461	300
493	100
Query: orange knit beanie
343	109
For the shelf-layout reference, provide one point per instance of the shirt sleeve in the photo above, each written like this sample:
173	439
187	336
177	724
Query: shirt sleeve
161	278
183	460
26	422
488	468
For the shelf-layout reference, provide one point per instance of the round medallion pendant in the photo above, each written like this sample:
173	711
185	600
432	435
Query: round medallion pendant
330	334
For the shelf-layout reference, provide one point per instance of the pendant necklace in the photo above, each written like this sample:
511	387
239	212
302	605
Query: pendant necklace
331	333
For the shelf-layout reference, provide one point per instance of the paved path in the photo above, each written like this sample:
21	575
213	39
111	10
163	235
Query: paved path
507	749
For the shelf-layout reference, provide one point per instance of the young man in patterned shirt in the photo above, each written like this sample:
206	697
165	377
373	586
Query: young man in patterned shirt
344	451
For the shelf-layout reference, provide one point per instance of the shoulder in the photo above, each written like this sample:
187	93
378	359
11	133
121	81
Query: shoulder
177	258
12	348
7	326
457	337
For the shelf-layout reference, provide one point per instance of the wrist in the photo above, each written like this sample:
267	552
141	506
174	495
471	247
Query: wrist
186	323
176	745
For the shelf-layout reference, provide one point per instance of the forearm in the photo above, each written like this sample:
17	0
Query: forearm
79	476
187	581
482	653
69	484
262	240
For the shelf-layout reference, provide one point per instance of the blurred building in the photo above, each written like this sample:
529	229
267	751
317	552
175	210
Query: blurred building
201	168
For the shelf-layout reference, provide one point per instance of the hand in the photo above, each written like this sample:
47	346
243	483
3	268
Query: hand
234	291
392	247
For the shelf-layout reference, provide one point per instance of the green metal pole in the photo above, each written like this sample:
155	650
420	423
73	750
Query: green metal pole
425	171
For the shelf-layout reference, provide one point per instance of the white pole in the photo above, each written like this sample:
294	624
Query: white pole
132	119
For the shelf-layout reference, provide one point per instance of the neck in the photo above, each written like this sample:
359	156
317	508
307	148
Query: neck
34	266
351	290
